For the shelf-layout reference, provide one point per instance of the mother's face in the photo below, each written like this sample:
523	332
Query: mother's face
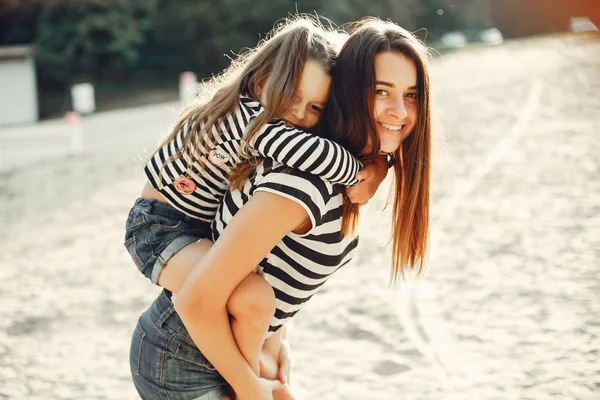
396	104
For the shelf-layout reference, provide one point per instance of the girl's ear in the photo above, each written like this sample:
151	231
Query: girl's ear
261	89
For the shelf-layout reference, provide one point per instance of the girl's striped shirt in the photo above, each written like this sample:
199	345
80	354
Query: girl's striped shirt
287	145
298	265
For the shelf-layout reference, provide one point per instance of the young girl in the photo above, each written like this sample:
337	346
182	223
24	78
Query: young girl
287	77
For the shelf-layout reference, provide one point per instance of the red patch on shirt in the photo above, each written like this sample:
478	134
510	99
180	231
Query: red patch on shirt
184	185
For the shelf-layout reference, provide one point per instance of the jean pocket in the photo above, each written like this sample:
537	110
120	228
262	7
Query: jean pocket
165	225
135	351
131	246
187	369
134	219
192	355
161	230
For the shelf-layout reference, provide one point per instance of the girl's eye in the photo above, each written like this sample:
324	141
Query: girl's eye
412	95
315	108
382	92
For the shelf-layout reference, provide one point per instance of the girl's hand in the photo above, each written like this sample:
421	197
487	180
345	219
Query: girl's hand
370	178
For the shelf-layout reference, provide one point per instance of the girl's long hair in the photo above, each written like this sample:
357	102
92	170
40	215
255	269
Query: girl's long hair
349	119
275	63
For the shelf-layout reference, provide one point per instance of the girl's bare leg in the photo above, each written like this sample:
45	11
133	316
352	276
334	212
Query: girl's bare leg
252	306
182	263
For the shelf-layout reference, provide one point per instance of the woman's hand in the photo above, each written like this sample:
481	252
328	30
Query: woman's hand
370	178
284	362
284	391
277	367
275	362
265	390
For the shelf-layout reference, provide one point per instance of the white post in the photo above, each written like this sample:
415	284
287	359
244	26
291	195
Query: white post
83	98
188	87
73	121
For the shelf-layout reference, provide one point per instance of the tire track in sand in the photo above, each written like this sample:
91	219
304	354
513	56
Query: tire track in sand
416	303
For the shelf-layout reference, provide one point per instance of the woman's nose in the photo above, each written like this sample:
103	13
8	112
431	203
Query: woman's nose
398	109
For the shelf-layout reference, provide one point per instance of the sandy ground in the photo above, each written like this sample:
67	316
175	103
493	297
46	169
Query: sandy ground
506	309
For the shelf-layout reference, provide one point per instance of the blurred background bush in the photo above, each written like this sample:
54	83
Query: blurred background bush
134	50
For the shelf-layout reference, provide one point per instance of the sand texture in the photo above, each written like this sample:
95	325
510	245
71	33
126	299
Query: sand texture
506	308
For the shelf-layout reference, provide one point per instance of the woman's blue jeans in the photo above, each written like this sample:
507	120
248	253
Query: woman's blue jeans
165	363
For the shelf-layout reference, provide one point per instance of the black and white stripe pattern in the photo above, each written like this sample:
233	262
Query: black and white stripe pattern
299	264
276	141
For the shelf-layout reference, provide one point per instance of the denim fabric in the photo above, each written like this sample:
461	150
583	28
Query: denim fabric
165	363
155	231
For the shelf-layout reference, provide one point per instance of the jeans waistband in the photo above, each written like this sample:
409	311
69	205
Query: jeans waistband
166	210
162	308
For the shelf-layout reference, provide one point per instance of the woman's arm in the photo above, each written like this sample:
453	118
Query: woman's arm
201	303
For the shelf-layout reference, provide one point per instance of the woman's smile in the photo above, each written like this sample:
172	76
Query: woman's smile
390	127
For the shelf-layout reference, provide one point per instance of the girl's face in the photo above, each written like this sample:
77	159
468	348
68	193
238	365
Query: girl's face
396	103
310	97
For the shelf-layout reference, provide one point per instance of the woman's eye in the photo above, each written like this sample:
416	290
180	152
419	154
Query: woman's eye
412	95
315	108
381	92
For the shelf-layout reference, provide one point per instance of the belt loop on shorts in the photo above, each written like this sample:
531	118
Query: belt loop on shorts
169	310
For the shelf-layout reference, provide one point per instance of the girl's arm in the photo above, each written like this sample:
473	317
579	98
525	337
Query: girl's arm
370	177
201	302
309	153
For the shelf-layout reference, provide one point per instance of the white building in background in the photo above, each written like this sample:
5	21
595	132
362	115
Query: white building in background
18	87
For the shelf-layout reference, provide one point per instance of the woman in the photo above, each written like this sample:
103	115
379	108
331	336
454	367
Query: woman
305	226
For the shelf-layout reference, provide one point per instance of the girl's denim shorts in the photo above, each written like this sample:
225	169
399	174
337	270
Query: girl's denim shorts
165	363
155	231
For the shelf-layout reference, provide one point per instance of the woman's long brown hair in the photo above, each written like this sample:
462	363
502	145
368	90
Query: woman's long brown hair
348	119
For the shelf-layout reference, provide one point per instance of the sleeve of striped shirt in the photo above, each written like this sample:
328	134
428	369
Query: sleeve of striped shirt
308	191
305	152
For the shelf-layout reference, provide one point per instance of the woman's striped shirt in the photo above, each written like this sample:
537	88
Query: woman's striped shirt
219	153
299	264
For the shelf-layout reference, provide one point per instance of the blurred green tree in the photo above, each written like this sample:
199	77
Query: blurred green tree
18	21
195	34
92	39
429	19
406	13
136	45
